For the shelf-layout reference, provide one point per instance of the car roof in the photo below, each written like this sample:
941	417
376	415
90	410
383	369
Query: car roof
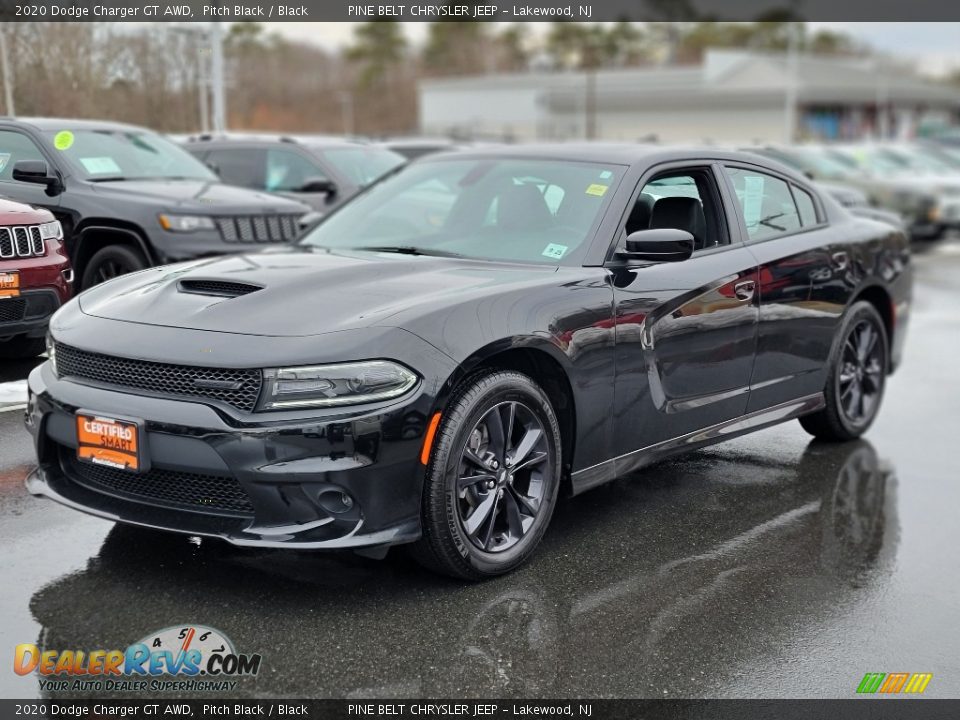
44	123
316	141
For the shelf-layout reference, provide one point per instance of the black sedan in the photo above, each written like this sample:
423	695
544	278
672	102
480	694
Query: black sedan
442	356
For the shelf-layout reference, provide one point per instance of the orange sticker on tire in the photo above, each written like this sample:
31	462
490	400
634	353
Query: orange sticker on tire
9	284
110	442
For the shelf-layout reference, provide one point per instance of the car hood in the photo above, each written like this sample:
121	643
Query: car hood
211	197
298	292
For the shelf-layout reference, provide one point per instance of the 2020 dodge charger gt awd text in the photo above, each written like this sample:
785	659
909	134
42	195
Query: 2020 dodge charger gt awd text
442	356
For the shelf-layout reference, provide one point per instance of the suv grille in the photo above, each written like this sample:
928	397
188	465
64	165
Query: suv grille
258	228
237	388
21	241
12	309
213	494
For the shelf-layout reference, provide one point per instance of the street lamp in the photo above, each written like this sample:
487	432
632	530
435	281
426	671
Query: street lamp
7	73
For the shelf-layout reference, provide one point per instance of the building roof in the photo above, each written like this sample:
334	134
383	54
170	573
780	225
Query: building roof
728	78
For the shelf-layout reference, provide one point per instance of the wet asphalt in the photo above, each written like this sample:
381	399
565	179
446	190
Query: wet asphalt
769	566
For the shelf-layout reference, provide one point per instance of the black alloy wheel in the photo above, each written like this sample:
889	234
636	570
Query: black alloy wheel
500	485
857	376
493	477
111	262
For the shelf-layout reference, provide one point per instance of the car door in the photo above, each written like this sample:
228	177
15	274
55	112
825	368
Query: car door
290	172
244	166
803	273
685	331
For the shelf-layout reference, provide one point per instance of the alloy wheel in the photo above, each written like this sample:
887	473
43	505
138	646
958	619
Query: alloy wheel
861	372
502	476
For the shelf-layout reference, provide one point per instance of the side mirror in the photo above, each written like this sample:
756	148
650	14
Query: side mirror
318	185
37	172
659	245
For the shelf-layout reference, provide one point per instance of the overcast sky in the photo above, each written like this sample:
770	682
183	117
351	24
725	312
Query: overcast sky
935	47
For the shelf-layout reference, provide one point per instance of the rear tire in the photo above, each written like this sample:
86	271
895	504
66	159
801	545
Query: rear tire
858	373
110	262
493	477
21	348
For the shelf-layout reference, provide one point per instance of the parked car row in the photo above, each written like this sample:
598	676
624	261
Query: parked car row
918	181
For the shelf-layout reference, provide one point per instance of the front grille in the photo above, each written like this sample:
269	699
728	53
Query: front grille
237	388
213	494
12	309
21	241
220	288
258	228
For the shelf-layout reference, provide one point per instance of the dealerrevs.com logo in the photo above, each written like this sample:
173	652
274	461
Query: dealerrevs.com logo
894	683
178	658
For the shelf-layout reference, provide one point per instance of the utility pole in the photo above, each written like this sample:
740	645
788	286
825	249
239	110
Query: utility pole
790	96
7	73
216	80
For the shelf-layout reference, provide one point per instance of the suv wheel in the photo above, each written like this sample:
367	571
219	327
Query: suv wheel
493	477
110	262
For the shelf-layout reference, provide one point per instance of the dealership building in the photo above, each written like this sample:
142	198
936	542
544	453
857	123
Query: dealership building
731	97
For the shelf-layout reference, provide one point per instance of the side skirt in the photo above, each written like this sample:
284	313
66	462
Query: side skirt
609	470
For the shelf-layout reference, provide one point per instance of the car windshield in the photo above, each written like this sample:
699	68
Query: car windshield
821	164
127	155
917	159
526	210
871	160
361	165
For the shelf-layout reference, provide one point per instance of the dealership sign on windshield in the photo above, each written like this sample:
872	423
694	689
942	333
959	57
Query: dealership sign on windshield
181	651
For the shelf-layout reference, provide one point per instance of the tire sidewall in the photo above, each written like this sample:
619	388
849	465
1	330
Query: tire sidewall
512	386
129	257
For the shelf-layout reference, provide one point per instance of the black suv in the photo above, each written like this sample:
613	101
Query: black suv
128	198
321	171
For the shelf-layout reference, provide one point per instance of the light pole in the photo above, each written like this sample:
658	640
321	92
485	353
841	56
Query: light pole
790	96
216	80
7	73
202	39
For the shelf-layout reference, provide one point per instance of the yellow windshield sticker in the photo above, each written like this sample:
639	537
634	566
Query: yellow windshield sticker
63	140
597	189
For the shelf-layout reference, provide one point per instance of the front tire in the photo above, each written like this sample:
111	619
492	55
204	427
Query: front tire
857	378
493	477
110	262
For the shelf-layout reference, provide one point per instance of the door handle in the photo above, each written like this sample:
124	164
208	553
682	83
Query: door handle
841	260
744	290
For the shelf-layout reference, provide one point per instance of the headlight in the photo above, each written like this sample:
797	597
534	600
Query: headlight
186	223
51	230
52	353
340	384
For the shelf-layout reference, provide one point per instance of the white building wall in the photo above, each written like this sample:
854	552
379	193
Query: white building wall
695	125
491	111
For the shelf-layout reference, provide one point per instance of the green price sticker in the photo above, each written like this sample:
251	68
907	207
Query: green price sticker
63	140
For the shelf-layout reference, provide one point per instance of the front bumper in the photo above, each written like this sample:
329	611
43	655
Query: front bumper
340	480
28	313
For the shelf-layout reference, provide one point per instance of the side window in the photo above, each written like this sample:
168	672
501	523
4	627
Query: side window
239	166
289	171
808	213
766	202
14	147
684	200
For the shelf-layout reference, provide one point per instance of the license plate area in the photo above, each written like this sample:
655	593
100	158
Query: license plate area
9	284
111	441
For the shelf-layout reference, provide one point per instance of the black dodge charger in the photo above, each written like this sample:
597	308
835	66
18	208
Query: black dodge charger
441	357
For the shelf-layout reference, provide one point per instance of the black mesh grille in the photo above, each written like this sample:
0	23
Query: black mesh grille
239	388
12	309
217	287
258	228
6	242
214	494
21	241
36	240
24	241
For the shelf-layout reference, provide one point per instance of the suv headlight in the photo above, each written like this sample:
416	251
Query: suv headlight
51	230
337	384
186	223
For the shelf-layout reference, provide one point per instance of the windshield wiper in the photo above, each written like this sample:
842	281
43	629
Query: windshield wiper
409	250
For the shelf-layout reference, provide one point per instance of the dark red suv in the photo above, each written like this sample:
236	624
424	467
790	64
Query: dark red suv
35	277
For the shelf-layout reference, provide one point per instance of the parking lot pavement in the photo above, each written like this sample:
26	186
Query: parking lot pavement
765	567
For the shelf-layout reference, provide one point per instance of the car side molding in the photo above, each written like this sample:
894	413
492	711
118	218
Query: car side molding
603	472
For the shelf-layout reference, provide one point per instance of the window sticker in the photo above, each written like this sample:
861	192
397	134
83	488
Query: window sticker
554	251
597	189
4	159
752	199
63	140
100	166
606	175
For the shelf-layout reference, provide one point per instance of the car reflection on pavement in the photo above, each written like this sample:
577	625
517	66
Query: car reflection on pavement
717	557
